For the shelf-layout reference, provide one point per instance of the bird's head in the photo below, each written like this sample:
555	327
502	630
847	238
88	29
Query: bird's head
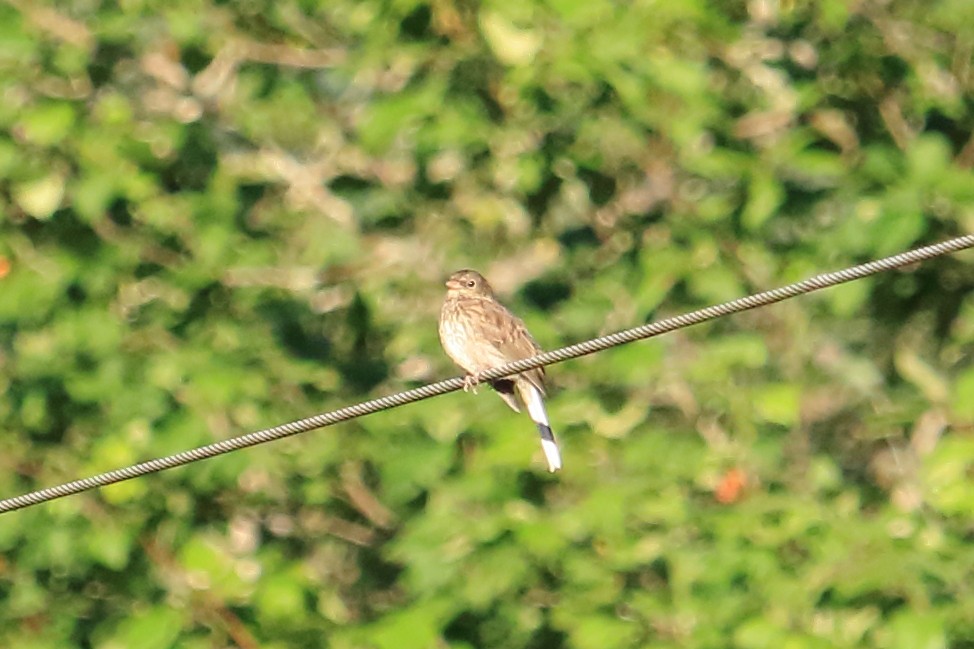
468	282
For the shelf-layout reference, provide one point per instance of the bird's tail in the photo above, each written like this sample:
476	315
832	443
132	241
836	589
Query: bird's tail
534	401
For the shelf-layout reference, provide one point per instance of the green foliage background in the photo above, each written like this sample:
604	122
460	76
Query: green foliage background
219	216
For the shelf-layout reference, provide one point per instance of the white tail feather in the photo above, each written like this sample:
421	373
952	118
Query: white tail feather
533	400
551	454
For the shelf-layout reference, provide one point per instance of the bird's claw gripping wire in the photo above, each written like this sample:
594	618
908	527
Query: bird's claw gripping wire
470	382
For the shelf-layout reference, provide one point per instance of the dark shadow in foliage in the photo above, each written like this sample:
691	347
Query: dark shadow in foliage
898	297
195	163
76	293
546	292
300	332
489	629
531	483
97	587
465	628
59	409
248	195
362	366
537	202
844	438
439	191
894	70
374	215
68	233
652	576
613	397
195	59
475	76
296	330
101	69
581	237
389	222
199	306
957	132
601	188
349	186
377	574
119	213
547	638
416	26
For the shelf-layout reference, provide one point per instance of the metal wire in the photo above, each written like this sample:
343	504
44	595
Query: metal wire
815	283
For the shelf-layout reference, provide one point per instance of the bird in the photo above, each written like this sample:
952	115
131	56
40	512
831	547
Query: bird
479	333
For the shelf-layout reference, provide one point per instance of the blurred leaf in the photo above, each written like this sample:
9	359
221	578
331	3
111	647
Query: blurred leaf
212	568
765	196
600	631
962	402
48	124
110	545
413	627
779	404
152	628
914	630
944	472
280	599
40	197
511	45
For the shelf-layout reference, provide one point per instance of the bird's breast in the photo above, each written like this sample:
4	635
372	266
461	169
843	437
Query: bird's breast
457	336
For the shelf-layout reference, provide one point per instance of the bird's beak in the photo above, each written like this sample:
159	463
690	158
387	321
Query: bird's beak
452	284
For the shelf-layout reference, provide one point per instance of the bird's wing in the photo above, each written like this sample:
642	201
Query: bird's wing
506	333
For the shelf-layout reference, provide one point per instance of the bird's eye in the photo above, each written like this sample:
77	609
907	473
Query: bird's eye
471	283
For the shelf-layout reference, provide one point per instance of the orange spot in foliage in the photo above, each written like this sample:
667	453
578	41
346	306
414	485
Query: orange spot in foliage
4	267
731	486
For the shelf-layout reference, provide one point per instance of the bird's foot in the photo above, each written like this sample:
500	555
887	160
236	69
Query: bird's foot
470	382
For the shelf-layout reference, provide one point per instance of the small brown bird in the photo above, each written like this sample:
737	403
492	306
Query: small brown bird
479	333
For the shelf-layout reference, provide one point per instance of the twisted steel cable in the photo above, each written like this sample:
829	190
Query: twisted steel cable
765	298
